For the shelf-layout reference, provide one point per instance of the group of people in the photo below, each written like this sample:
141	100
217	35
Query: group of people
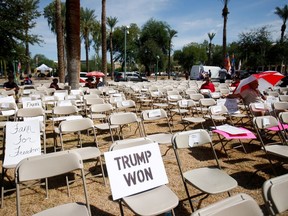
89	82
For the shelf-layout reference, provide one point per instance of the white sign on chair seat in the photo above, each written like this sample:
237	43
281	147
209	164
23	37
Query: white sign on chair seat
22	141
135	169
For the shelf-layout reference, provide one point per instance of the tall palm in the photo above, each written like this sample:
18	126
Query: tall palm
55	15
283	14
111	22
103	33
211	36
87	21
96	38
60	41
73	41
171	34
225	13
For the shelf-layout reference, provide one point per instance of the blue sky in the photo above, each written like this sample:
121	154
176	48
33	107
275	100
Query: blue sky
192	19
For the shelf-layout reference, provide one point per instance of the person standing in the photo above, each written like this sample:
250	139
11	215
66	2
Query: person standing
11	85
222	75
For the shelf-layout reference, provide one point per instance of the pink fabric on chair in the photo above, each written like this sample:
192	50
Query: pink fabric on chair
248	135
281	126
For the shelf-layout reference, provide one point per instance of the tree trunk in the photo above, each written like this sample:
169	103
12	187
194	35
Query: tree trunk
104	45
27	54
87	53
169	60
60	42
225	13
111	56
73	41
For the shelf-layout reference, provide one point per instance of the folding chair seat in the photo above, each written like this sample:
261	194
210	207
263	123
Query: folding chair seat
86	152
43	167
208	180
264	126
89	101
283	98
237	205
275	194
257	109
62	113
155	201
124	119
283	118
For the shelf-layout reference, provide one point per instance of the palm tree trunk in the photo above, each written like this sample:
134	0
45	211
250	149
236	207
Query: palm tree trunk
104	45
169	60
225	13
73	41
111	57
87	54
60	42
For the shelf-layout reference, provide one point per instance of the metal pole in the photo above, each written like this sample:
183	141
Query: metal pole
125	33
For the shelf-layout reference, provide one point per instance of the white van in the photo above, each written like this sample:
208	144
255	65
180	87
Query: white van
196	69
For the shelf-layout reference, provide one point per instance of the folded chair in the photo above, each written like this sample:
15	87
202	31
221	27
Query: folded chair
208	180
48	166
237	205
275	194
155	201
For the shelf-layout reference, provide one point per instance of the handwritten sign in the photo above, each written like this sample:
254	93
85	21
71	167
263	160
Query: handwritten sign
32	103
22	141
135	169
230	103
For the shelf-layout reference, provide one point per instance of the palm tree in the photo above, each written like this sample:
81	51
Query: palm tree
73	41
86	25
171	34
111	22
225	13
211	36
283	14
103	33
96	38
60	41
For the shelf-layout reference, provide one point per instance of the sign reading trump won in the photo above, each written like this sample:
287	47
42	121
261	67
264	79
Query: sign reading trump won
22	141
135	169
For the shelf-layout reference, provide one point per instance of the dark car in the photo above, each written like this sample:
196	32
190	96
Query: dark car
130	76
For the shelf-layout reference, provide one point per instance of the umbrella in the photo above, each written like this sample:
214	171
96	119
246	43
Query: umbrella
265	79
95	74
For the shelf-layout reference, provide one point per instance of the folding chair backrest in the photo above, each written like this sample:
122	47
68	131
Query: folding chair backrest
206	102
263	122
283	116
237	205
154	114
30	112
218	110
65	110
275	194
196	97
280	106
76	125
120	144
122	118
101	107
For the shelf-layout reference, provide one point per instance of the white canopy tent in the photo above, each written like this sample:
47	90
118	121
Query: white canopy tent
43	68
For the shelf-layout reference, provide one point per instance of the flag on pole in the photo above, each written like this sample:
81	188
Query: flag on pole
239	65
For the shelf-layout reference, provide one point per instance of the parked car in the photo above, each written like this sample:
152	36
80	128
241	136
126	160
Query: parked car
130	76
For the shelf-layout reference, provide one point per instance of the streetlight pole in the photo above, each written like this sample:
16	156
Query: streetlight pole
125	42
156	72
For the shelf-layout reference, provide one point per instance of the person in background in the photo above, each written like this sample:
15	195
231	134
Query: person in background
222	75
251	95
98	82
28	80
207	85
54	84
11	85
209	73
89	83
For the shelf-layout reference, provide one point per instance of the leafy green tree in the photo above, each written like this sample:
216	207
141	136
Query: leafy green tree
111	22
171	33
87	22
283	14
73	41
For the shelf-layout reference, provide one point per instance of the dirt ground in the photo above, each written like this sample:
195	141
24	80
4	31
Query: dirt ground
241	166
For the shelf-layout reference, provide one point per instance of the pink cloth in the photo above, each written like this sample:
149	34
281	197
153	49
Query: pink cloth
280	126
248	135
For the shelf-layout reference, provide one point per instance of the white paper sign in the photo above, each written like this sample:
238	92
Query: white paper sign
231	129
125	103
135	169
32	103
266	122
22	141
154	113
194	139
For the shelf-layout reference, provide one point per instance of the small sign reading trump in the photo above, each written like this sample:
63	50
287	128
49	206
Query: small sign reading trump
135	169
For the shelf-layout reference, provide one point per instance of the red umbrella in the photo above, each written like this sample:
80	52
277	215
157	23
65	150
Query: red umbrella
95	74
266	80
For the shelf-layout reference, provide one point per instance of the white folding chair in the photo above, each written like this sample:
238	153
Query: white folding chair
48	166
237	205
208	180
